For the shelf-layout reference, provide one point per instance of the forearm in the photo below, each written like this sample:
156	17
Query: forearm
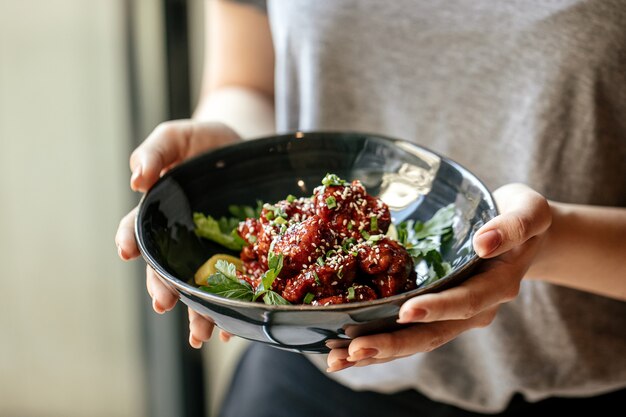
238	78
585	249
248	112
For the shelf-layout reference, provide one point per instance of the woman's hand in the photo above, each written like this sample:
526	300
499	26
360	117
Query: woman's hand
169	144
510	242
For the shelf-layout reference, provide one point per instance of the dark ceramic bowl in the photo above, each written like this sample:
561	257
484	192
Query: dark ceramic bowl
413	181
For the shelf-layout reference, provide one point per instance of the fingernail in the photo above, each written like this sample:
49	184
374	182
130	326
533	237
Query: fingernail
412	315
157	307
121	253
195	343
133	178
361	354
338	365
488	242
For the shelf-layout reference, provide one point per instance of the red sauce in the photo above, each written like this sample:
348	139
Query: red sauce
333	245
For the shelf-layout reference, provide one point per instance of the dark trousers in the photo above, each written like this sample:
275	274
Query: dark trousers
269	382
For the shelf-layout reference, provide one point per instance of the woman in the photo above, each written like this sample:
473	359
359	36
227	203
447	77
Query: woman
530	96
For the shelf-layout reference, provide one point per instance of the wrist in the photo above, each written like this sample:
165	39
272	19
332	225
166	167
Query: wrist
248	112
541	264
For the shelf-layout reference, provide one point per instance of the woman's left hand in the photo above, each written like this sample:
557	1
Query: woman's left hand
509	241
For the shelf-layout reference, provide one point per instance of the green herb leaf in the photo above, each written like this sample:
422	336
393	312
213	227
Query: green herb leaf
332	180
423	241
348	244
242	212
275	210
438	225
220	232
274	261
220	284
273	298
331	202
308	298
317	278
372	239
275	264
280	220
420	248
351	294
228	269
267	279
374	224
340	272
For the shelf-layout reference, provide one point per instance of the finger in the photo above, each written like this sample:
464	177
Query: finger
165	146
225	336
497	282
494	286
125	237
163	298
410	340
172	142
524	214
337	360
200	329
375	361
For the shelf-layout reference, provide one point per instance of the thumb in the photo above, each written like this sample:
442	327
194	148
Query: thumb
166	145
172	142
524	214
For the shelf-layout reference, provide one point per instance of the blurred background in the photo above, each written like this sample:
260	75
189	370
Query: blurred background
82	82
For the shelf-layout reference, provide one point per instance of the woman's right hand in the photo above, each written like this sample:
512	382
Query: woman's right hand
168	145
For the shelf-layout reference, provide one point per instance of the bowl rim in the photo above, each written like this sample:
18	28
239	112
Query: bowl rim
184	287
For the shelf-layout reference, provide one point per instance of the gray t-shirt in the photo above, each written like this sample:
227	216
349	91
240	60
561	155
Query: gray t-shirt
516	91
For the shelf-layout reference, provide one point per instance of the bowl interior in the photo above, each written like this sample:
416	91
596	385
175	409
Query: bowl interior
413	181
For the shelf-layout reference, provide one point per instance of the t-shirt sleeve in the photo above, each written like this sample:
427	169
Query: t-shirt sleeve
259	4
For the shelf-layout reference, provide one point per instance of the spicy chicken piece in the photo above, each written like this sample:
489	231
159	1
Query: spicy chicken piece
301	244
329	279
350	295
258	237
333	201
296	209
377	216
389	265
249	231
350	210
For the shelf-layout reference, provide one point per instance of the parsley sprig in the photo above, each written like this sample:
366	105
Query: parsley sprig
225	282
423	241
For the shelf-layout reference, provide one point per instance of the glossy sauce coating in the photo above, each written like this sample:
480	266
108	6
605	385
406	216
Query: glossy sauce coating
333	246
